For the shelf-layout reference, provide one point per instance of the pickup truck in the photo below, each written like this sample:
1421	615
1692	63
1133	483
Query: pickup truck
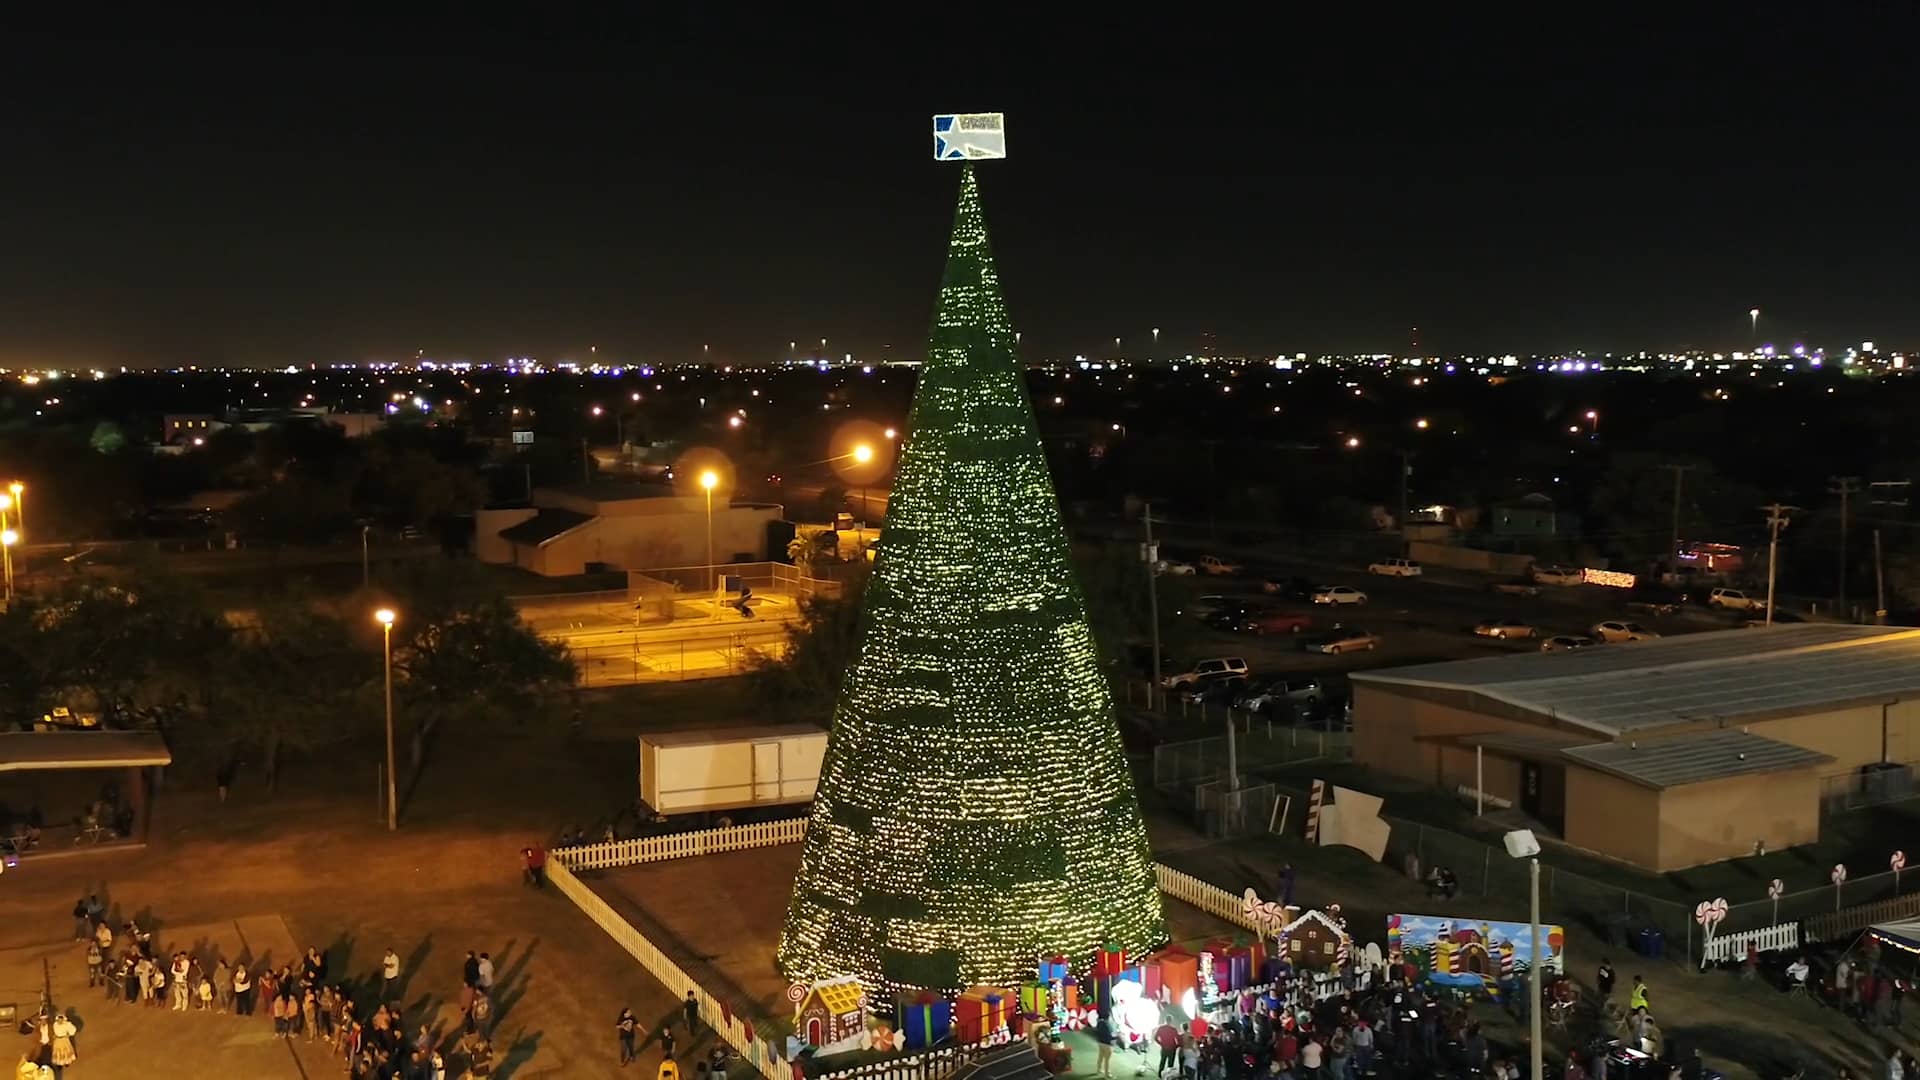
1214	564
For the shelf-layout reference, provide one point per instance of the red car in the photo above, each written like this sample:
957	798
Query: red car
1274	622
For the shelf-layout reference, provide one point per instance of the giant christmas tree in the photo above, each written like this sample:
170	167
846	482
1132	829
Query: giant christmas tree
975	810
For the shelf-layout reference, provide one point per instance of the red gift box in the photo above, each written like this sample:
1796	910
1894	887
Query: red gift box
983	1010
1109	962
1150	978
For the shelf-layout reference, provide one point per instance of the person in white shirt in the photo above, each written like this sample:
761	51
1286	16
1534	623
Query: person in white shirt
1310	1056
486	972
1798	971
389	974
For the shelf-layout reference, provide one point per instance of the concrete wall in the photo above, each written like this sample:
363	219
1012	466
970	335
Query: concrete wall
639	542
1464	558
1613	817
487	524
1722	819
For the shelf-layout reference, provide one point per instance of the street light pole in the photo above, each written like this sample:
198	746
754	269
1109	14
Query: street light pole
366	571
1536	1053
1776	520
19	491
1151	556
385	617
710	480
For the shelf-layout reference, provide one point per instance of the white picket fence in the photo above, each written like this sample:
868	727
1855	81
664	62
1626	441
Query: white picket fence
752	1048
1767	939
756	1049
1209	898
683	845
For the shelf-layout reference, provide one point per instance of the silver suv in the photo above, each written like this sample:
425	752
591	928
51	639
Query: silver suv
1224	667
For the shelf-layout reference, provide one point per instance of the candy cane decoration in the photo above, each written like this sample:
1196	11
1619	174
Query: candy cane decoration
1899	863
1314	800
1839	876
1774	889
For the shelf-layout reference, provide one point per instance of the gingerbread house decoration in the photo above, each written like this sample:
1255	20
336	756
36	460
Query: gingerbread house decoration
1313	942
831	1011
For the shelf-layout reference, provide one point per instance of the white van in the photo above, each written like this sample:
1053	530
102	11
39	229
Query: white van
1394	568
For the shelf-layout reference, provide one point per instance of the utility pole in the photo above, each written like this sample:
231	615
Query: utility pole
1150	554
1777	519
1679	474
1406	470
1879	584
1846	487
1213	493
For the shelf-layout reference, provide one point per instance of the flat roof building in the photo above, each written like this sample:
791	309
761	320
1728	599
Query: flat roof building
1666	753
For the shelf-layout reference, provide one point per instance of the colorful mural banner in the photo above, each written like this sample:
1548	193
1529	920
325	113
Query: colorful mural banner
1456	951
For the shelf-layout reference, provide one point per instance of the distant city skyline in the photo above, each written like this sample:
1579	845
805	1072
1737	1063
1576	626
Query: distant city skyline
683	186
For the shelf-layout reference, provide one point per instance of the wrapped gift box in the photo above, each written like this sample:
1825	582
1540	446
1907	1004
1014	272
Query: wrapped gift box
924	1020
983	1010
1109	961
1054	969
1070	994
1179	973
1239	973
1150	977
1035	997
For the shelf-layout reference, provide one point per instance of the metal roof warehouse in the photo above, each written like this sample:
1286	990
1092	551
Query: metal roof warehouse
1665	753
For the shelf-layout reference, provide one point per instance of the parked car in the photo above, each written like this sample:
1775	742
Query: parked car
1654	600
1619	630
1505	628
1338	595
1214	564
1218	667
1293	588
1174	567
1263	621
1557	575
1270	695
1206	606
1215	690
1394	568
1342	639
1567	643
1515	588
1735	600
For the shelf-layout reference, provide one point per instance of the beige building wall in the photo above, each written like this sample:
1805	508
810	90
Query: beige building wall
637	541
1724	819
488	547
1851	736
1613	817
1412	738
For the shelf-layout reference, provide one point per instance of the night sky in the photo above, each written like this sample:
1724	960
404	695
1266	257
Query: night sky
335	193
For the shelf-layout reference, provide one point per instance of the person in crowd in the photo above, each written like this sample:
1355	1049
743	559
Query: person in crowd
242	991
1798	973
485	978
533	865
627	1026
222	987
389	975
691	1008
63	1031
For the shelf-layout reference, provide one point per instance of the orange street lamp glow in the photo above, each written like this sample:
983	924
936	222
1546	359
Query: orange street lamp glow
863	453
1421	424
709	479
892	434
384	616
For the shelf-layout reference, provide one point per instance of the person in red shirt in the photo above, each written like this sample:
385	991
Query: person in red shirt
1168	1038
534	861
1287	1049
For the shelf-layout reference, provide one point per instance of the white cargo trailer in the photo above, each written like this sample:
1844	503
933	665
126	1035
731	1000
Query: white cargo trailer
689	772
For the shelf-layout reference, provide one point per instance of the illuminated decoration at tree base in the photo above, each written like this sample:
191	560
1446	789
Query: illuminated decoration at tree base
975	809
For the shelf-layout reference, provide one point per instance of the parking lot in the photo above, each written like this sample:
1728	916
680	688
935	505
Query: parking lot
1414	619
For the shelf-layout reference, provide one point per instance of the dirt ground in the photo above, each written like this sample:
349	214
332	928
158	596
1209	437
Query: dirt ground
315	865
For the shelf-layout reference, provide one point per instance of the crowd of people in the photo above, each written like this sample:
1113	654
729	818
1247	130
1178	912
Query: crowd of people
365	1027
